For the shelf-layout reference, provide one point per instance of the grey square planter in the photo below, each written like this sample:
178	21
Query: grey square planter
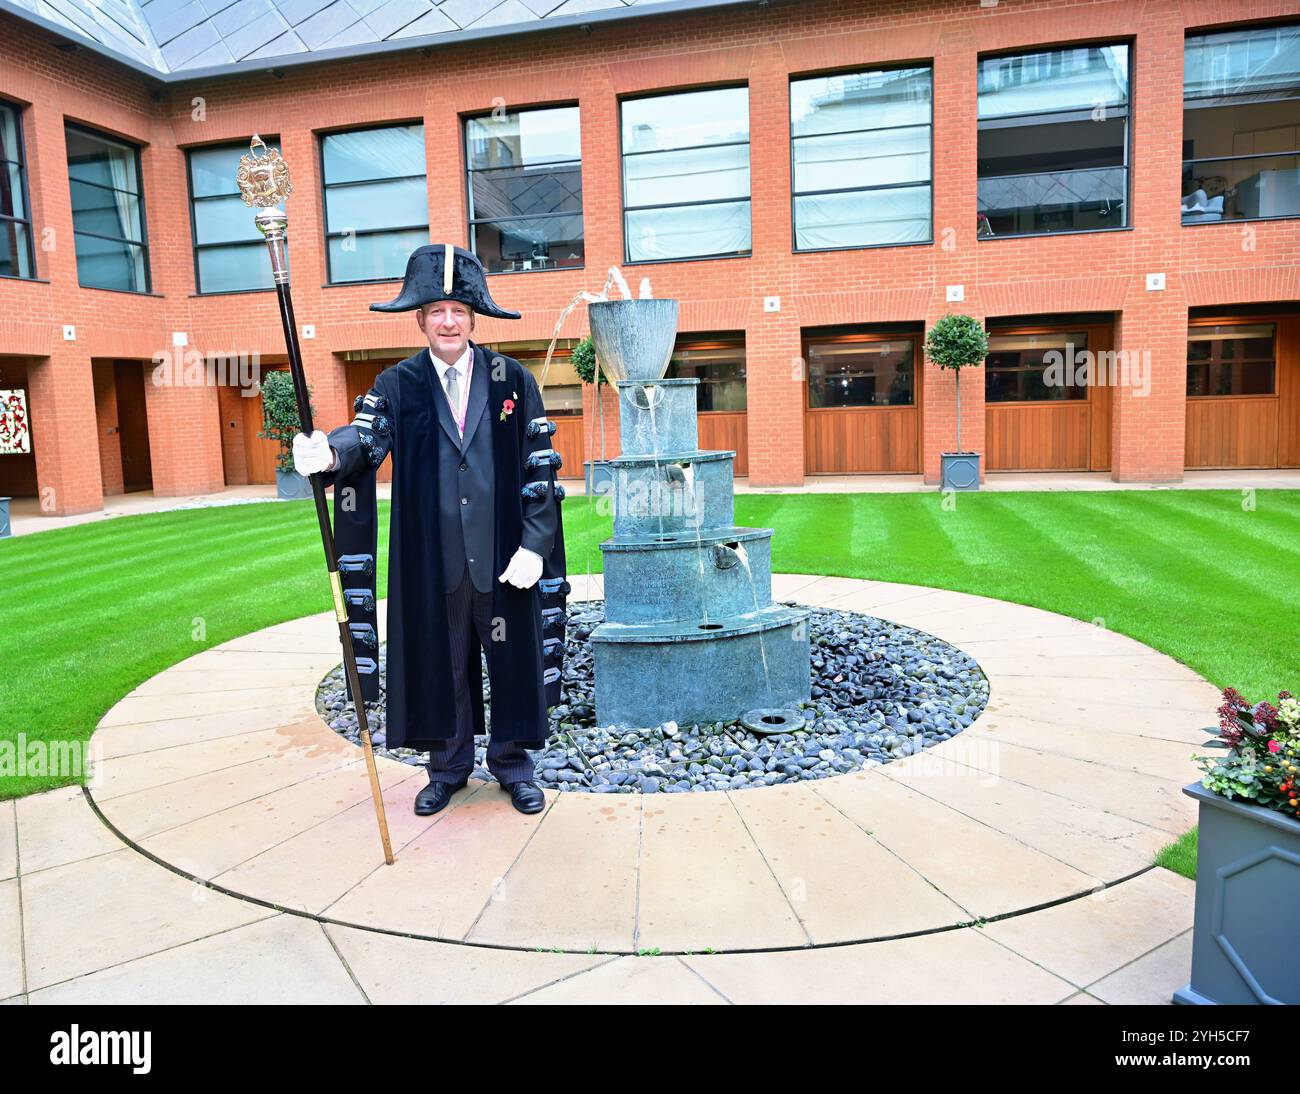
959	471
290	486
1247	904
5	530
599	475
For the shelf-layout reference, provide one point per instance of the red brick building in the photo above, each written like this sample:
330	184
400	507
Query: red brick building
817	182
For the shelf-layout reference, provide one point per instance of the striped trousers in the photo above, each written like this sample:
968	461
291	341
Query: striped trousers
466	608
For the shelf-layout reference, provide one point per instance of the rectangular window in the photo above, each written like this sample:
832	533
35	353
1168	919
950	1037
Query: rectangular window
1019	367
107	212
376	201
860	158
1053	141
1232	359
718	362
861	371
691	144
229	254
15	213
1241	125
525	189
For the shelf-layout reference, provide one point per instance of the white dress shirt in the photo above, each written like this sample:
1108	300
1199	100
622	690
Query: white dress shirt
463	367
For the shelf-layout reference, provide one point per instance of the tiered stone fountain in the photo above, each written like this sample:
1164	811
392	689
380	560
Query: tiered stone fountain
690	632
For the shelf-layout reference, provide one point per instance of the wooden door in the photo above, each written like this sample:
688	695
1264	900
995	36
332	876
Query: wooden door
726	430
883	438
361	377
1252	424
1053	434
259	454
133	426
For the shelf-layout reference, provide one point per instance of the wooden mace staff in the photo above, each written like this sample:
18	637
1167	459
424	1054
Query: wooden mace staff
264	182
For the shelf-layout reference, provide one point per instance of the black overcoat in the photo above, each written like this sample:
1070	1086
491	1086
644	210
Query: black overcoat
400	415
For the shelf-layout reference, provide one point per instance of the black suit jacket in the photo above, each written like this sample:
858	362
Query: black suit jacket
465	516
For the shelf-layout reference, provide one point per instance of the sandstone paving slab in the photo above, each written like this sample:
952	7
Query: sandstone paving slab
14	1000
1098	669
393	969
100	912
1150	801
648	979
121	775
311	870
159	708
148	812
1151	721
58	827
283	959
1101	845
1081	999
1150	980
983	870
583	856
959	966
320	641
1085	940
840	881
220	841
178	681
8	840
1131	689
1105	744
224	659
443	880
11	940
126	740
704	882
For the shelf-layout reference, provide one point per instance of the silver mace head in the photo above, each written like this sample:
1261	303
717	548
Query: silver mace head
263	180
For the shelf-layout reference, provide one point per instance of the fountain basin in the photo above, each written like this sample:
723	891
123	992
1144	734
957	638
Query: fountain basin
687	491
659	416
692	672
633	338
681	577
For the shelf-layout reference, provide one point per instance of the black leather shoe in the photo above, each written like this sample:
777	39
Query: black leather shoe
434	797
527	797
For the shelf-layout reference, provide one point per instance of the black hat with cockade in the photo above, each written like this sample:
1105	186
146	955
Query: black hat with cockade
428	278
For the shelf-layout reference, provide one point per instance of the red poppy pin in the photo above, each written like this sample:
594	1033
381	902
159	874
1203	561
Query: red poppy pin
508	406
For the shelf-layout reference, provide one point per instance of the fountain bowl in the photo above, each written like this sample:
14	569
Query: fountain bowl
633	338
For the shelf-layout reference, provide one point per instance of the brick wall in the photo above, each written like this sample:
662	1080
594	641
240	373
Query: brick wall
1223	264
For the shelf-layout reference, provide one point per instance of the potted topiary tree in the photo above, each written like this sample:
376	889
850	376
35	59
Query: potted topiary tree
1248	858
958	342
583	355
280	423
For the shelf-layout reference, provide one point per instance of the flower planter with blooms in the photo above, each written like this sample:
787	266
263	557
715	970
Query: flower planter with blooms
1248	858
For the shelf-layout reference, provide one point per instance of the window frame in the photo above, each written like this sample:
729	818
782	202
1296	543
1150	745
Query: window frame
1235	321
471	221
143	242
1206	32
872	333
1129	43
794	230
622	174
18	109
326	186
195	245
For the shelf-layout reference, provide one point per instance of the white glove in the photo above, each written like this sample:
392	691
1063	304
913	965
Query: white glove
524	569
312	454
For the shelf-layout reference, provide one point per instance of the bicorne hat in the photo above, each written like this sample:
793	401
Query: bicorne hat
442	271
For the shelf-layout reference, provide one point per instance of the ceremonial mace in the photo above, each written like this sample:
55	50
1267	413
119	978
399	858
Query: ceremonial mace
264	182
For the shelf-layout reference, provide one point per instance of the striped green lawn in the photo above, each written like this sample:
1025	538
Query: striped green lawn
89	612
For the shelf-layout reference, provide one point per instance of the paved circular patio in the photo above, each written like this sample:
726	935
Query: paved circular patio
221	768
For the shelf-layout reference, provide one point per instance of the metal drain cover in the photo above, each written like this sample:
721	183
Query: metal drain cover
764	720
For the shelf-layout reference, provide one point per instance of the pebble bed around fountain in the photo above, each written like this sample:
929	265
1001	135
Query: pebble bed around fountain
880	692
